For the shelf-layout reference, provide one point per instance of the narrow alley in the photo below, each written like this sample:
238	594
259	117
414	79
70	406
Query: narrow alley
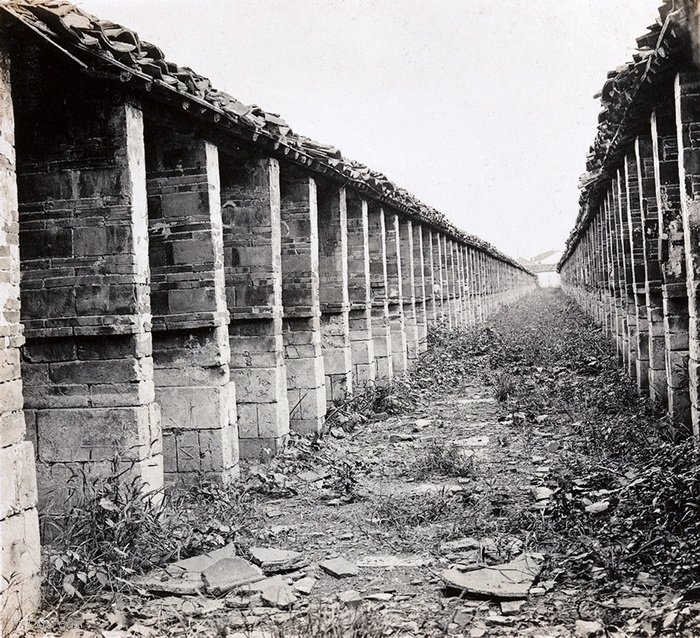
520	438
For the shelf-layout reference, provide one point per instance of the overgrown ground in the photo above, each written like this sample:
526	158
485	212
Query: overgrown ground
463	448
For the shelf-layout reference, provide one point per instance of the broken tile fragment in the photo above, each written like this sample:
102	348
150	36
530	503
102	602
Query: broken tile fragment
511	607
541	493
598	508
380	597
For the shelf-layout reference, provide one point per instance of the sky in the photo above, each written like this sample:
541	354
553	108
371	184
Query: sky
483	109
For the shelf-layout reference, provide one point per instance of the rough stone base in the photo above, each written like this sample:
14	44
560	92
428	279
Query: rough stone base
411	328
306	391
364	365
20	558
398	339
259	374
198	405
337	355
381	336
89	403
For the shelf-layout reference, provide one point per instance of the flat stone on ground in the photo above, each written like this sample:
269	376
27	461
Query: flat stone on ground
273	561
511	607
229	573
339	567
305	585
390	561
278	594
197	564
351	598
509	580
459	545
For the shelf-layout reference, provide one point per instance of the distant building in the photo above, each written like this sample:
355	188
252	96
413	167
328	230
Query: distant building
545	265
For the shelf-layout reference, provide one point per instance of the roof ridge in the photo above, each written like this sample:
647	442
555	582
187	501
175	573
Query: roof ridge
74	27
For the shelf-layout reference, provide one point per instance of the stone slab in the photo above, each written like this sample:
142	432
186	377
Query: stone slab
510	580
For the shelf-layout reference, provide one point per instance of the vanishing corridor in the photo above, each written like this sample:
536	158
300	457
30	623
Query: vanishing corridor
220	339
196	280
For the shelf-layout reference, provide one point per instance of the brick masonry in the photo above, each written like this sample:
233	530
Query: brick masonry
250	196
87	365
306	391
188	300
335	304
188	293
360	291
19	524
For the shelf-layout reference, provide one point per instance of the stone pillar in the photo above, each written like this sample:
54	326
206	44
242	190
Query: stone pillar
420	288
474	284
455	288
395	294
621	289
634	218
438	281
431	273
479	287
188	301
381	330
301	325
364	366
687	95
613	273
250	196
672	257
630	355
464	278
333	270
87	364
654	299
408	287
19	524
448	306
485	291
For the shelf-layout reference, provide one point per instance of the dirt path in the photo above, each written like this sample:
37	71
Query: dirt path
462	482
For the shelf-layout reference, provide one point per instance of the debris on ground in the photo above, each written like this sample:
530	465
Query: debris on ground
519	438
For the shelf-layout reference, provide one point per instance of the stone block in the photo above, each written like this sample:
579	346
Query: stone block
18	487
19	568
12	428
259	385
193	407
93	434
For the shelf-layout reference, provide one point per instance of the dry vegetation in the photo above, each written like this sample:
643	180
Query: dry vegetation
622	518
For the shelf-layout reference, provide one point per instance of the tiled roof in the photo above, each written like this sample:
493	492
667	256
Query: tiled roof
91	40
625	103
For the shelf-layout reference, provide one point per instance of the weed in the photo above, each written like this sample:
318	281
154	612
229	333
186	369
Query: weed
332	622
445	459
404	511
114	529
504	386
